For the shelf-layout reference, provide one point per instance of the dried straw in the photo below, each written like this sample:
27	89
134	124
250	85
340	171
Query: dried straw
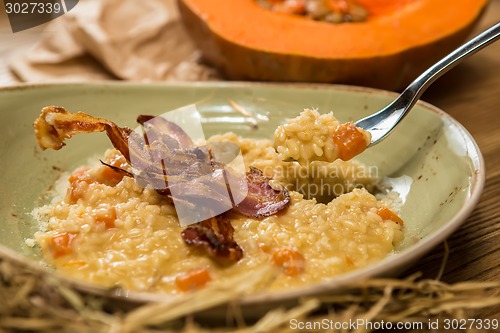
40	303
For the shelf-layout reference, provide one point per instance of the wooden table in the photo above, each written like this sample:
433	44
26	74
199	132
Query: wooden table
471	94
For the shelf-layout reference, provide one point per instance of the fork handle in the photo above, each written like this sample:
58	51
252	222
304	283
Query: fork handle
417	87
397	110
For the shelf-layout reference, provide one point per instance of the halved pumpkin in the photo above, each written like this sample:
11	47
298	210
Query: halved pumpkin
397	42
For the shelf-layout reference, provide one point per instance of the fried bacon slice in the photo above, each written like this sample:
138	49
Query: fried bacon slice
262	200
215	237
55	124
166	141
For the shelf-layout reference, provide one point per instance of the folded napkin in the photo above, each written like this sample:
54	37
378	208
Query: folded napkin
114	39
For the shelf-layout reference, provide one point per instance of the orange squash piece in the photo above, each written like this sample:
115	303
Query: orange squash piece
396	43
61	244
79	175
109	176
350	141
291	261
387	214
78	185
193	280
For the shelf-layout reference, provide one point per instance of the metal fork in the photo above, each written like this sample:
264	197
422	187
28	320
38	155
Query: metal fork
381	123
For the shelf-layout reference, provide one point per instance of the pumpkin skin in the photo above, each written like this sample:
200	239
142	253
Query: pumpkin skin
400	39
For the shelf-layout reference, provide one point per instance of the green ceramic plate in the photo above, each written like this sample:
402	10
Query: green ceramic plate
432	160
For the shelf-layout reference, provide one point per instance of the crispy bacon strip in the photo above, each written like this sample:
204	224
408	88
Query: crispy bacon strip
156	128
55	124
165	141
262	200
215	237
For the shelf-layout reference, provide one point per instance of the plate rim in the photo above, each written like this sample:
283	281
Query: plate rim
335	284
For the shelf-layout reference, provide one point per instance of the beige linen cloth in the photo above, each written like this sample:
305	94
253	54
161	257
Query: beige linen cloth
114	39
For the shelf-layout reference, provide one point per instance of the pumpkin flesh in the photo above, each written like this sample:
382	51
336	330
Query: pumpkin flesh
247	41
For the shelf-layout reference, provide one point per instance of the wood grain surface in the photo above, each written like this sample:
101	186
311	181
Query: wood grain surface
471	94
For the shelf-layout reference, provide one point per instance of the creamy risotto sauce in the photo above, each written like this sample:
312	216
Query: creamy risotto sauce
102	227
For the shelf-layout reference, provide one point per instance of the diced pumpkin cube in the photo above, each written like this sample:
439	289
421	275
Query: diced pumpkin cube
193	280
387	214
78	185
291	261
61	244
350	141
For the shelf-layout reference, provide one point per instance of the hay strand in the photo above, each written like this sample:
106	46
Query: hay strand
42	303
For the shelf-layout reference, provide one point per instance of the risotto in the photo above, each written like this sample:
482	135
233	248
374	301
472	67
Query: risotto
309	138
103	227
